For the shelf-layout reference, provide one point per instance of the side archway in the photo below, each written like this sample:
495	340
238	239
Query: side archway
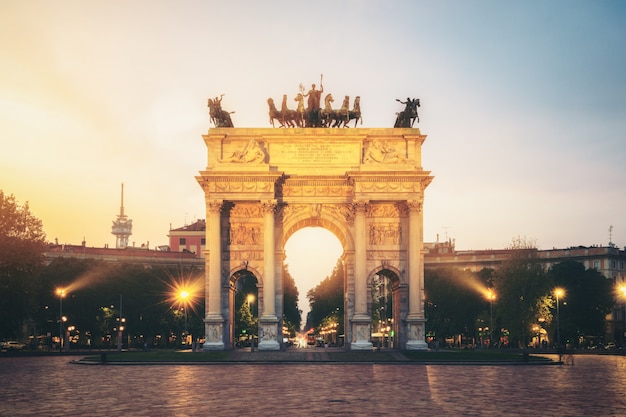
388	306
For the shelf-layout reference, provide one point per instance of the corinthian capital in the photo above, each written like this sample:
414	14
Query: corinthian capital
360	207
214	206
414	206
269	206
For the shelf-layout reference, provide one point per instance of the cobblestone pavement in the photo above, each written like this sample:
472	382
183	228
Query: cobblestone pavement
51	386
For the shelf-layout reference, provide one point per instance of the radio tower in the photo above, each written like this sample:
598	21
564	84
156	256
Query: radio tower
122	227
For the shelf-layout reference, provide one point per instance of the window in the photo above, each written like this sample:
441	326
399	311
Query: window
203	241
596	264
182	241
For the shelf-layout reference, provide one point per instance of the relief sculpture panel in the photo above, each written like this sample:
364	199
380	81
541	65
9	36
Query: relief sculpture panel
385	234
245	234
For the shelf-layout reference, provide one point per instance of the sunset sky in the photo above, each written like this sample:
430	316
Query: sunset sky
524	105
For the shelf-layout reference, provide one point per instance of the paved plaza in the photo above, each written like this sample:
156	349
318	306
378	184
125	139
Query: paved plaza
51	386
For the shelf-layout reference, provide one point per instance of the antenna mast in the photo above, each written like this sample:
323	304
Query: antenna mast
122	204
122	226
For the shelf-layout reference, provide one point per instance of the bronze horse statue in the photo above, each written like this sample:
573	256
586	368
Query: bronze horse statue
219	117
407	117
274	113
354	114
291	118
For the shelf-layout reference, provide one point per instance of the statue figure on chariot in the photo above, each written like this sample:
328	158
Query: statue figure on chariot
219	117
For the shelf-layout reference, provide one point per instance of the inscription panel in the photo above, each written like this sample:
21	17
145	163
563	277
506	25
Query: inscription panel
312	152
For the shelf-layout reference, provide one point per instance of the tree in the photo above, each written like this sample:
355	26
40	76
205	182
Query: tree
246	297
454	302
326	299
94	290
22	243
291	312
520	283
588	299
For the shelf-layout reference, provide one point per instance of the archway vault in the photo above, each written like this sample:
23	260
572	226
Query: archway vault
366	186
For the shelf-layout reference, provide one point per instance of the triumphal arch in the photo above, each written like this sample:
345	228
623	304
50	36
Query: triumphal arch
366	186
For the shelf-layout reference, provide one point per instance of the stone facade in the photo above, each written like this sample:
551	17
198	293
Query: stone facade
366	186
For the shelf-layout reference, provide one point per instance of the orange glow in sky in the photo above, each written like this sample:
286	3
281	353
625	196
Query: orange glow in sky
523	104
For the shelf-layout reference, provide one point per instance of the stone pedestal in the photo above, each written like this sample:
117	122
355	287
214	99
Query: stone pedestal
214	327
415	333
361	331
269	333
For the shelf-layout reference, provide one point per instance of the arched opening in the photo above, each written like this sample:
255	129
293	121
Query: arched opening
244	311
385	309
313	254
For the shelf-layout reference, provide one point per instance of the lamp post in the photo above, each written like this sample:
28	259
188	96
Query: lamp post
120	327
184	296
622	290
559	293
61	293
250	300
491	296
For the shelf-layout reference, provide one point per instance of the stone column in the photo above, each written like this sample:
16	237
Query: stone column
268	322
214	321
361	322
415	319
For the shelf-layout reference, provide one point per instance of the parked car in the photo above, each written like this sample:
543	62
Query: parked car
13	345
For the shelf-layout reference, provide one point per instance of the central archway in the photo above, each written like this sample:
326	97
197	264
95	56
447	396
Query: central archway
311	255
366	186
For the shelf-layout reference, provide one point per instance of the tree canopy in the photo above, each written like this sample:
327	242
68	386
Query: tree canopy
22	243
326	298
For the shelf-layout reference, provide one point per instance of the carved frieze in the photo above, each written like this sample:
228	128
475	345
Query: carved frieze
383	211
252	152
246	210
382	152
316	187
375	255
237	184
385	234
293	210
343	212
245	234
242	255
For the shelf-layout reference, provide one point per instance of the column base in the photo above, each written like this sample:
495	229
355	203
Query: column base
361	345
213	330
269	333
416	345
415	332
269	345
209	346
361	333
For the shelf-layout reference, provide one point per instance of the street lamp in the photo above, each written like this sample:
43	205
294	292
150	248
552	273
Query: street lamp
250	300
559	293
61	293
184	297
491	296
622	290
